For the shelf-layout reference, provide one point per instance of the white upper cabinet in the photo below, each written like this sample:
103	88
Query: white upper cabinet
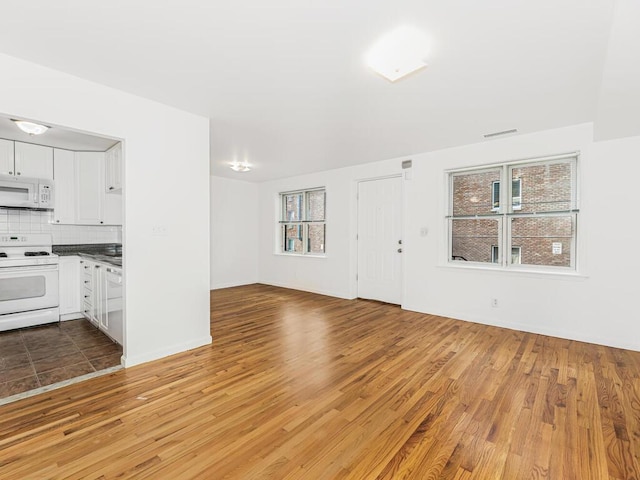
33	160
113	169
93	205
25	160
90	187
6	157
64	177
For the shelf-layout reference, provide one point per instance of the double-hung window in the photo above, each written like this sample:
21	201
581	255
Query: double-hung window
530	223
302	222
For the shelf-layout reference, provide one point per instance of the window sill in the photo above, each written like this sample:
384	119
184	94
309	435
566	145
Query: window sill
520	271
301	255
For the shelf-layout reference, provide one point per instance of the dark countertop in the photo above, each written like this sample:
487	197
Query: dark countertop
102	252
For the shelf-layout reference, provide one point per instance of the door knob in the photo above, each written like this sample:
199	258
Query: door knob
399	250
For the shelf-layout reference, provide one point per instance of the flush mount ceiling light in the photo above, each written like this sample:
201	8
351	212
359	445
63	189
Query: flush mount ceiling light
399	53
240	166
30	127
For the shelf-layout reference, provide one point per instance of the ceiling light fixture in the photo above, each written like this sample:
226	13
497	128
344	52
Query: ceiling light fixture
237	166
399	53
30	127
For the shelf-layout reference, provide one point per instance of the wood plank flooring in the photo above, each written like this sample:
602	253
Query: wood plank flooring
302	386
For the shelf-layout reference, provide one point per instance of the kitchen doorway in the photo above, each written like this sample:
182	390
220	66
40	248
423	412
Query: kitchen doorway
76	328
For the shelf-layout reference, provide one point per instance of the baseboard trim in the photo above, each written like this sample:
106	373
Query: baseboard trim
130	361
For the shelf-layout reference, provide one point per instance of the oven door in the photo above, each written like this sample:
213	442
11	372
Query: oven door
28	288
18	193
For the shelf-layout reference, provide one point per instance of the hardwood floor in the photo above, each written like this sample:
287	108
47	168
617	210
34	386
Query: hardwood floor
301	386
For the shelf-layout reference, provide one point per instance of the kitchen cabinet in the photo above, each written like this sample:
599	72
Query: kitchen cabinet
33	160
90	193
113	169
26	160
69	291
88	288
102	297
80	197
93	205
6	157
65	187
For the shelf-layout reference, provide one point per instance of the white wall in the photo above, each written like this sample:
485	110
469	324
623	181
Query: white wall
166	173
234	232
596	305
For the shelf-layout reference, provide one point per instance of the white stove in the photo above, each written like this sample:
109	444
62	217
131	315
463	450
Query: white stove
28	281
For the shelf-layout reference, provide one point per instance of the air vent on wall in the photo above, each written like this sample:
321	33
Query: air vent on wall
497	134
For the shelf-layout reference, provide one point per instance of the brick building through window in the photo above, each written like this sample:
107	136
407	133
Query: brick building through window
534	219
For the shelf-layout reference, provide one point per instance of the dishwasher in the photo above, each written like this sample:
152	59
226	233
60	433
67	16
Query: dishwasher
114	303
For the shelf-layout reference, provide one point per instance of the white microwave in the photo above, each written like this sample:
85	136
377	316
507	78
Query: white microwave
22	192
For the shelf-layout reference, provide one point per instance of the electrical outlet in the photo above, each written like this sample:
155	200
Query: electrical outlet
494	302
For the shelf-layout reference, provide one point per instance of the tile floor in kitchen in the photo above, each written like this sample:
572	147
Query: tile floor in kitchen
38	356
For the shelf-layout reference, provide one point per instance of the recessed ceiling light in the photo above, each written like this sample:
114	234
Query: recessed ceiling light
30	127
399	53
240	166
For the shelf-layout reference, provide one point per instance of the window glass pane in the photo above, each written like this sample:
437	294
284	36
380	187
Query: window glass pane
315	205
545	187
292	207
472	239
544	240
516	195
473	192
292	238
315	242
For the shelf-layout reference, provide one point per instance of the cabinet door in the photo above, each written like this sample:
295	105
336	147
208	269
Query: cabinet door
69	285
65	187
113	169
33	160
89	187
6	157
112	213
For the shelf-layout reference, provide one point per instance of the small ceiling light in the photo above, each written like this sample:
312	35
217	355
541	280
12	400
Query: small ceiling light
237	166
30	127
399	53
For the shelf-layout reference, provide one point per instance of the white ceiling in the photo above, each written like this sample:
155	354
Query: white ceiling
285	85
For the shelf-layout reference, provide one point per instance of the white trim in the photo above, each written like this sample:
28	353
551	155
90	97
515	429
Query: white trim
165	352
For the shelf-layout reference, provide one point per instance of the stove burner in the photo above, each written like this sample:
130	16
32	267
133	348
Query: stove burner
3	255
36	254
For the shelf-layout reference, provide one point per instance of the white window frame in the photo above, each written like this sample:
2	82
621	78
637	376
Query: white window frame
302	222
505	214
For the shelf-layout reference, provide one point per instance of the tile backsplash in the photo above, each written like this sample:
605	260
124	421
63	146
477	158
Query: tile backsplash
35	221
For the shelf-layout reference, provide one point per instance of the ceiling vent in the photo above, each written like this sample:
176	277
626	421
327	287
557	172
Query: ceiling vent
498	134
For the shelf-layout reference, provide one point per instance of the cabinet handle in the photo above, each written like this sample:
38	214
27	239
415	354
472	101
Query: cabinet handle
10	173
86	281
17	173
101	222
112	188
97	266
57	221
86	296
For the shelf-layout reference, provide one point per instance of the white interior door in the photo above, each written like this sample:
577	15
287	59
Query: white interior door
380	240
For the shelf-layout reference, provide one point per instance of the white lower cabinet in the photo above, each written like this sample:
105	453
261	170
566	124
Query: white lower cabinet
69	293
100	306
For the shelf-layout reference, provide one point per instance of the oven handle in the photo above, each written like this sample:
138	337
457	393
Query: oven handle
27	268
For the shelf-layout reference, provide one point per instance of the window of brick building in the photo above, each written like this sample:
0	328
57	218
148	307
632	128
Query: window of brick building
532	223
302	222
